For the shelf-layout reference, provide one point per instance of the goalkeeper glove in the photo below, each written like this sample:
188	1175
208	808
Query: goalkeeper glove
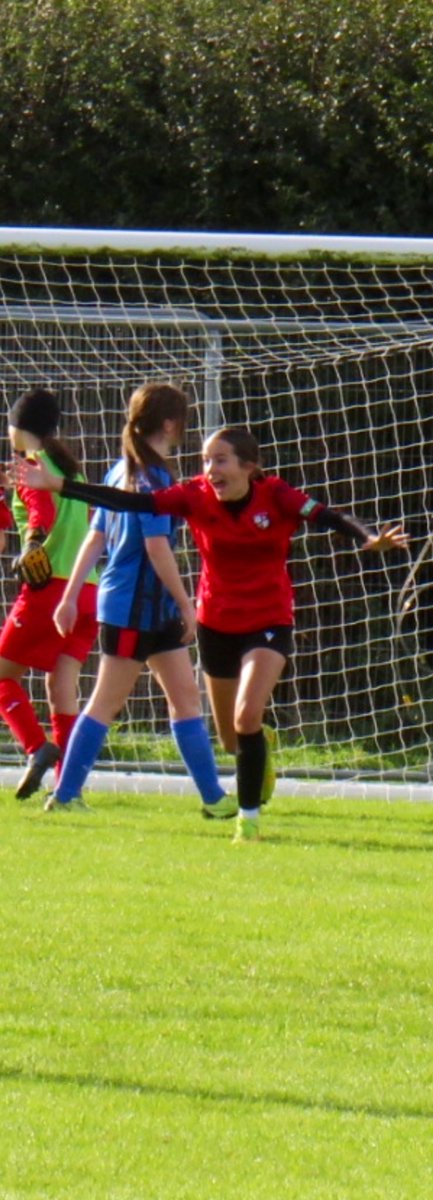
33	566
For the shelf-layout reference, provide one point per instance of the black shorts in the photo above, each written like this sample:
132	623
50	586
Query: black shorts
140	644
221	654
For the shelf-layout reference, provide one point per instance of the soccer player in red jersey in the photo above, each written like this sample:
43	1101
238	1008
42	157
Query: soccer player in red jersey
242	522
51	530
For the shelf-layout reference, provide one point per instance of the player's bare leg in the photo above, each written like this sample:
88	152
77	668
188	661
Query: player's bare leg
115	681
222	698
116	678
174	673
61	685
260	671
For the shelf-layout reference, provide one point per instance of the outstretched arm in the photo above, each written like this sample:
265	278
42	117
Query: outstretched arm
389	537
96	494
99	495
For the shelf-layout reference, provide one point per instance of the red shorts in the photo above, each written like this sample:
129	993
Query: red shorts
29	635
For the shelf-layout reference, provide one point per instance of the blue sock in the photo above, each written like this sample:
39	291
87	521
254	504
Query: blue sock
82	750
193	741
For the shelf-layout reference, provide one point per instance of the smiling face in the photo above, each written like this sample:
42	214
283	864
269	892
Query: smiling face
228	475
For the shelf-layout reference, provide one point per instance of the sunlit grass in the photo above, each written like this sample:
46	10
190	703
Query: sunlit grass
182	1019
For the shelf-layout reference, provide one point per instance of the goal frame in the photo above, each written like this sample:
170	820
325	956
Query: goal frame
344	784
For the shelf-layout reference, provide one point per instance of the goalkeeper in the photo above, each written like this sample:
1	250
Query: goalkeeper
50	534
243	523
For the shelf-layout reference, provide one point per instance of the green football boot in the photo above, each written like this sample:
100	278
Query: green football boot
76	805
247	830
222	810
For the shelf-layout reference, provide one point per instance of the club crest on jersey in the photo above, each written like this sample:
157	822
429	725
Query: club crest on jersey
263	520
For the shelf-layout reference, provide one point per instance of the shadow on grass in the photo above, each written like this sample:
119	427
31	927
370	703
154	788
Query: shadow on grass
301	827
296	827
234	1096
352	844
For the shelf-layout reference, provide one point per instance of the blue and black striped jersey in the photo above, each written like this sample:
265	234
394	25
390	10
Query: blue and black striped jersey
130	594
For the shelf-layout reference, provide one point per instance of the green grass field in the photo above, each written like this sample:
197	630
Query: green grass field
182	1019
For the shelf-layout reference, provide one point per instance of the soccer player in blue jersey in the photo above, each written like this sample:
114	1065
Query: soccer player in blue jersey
145	615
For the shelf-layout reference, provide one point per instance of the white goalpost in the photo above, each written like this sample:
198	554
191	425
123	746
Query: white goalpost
323	346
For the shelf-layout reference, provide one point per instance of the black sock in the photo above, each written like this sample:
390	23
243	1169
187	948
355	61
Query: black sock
250	767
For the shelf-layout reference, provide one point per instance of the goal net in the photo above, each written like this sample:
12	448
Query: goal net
325	352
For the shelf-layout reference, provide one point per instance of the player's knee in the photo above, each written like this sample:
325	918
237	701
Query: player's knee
248	718
185	705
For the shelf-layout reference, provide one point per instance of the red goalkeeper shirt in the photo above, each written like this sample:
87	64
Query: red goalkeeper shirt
244	582
6	520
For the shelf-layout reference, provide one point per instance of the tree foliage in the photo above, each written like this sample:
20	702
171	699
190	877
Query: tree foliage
278	115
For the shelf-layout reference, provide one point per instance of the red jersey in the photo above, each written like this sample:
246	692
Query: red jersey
244	582
40	507
6	520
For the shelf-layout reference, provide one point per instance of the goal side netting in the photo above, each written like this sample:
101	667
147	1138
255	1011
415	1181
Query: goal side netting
325	351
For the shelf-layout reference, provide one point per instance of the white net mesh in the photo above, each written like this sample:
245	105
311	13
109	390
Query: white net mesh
330	365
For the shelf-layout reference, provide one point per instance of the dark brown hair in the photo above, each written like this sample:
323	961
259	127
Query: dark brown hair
149	406
243	443
37	412
62	456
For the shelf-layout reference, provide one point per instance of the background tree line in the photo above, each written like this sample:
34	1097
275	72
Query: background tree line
277	115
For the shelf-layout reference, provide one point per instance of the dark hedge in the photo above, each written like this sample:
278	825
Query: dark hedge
281	115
